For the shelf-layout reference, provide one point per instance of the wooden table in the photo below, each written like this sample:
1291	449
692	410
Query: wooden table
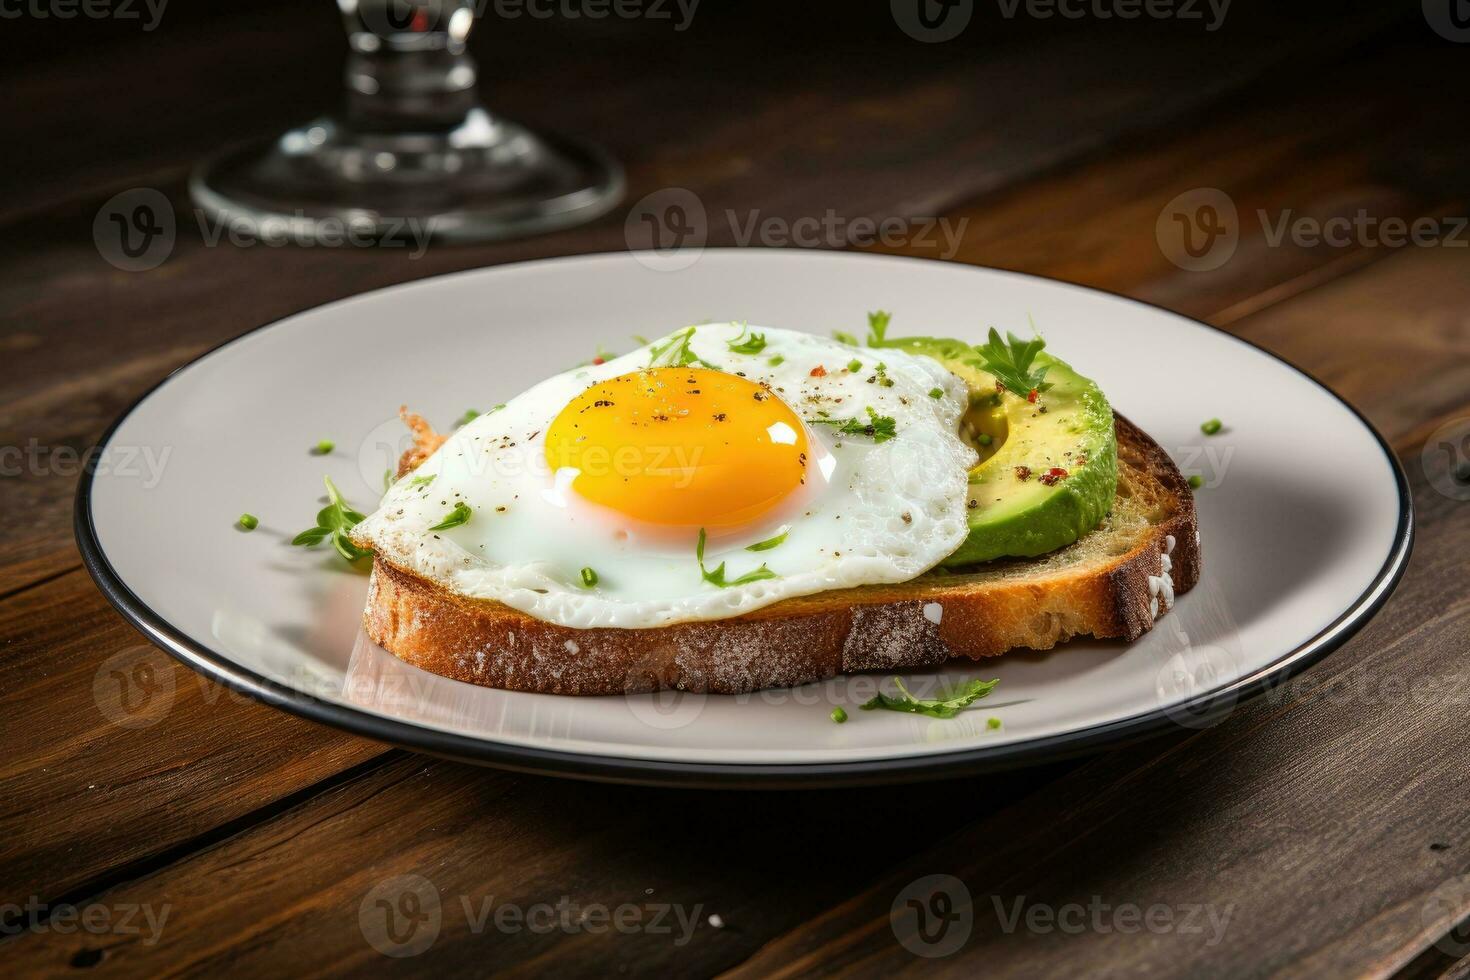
1327	824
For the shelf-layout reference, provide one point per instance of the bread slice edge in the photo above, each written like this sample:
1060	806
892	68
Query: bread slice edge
924	622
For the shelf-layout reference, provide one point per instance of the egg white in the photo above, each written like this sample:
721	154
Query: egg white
870	512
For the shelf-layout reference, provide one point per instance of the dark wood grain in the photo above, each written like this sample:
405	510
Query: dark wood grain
1331	824
84	798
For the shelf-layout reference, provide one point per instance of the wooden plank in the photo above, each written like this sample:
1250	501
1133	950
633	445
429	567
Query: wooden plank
117	753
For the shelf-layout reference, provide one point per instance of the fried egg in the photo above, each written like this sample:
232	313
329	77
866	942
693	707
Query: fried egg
714	471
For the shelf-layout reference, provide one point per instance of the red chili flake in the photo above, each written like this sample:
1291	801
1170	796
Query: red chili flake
1023	472
599	360
1033	396
819	372
1000	386
1053	476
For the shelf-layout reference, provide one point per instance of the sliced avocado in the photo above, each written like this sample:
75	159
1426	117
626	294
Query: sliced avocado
1048	469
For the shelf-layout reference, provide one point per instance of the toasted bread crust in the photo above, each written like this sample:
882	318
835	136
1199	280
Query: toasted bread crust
998	607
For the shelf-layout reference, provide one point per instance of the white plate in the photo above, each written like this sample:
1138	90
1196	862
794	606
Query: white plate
1305	515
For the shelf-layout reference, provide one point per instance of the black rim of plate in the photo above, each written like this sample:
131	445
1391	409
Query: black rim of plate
1204	710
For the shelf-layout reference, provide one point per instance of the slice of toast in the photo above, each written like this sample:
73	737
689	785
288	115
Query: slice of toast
1113	582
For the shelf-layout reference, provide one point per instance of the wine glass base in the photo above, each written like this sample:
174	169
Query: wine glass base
488	179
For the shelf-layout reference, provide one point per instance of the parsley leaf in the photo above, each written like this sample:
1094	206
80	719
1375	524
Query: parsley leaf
717	577
879	428
753	344
459	515
878	328
678	352
958	699
334	521
769	543
1011	362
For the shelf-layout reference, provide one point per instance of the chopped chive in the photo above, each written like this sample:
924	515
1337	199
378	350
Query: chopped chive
985	439
769	543
854	365
459	515
838	715
992	723
324	447
589	578
1211	427
936	393
249	522
776	361
469	416
1196	481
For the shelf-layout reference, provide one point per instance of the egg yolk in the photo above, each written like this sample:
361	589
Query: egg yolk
681	446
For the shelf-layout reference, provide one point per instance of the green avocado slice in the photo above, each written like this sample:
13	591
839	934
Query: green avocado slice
1020	504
